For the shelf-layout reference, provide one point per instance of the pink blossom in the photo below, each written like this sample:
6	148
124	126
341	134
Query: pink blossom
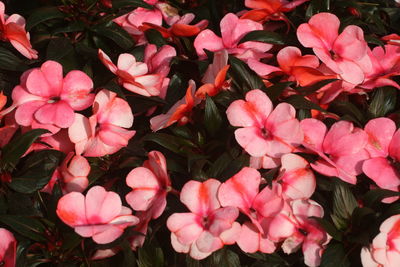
133	75
345	53
8	248
384	250
296	177
208	227
383	149
341	148
72	175
133	21
12	28
104	132
265	131
100	215
233	30
298	229
150	185
45	99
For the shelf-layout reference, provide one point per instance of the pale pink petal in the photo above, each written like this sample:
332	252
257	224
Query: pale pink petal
381	172
380	132
314	134
209	41
71	209
24	113
77	86
254	143
60	114
101	205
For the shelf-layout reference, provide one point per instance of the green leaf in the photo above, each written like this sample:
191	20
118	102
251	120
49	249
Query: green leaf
220	165
36	171
374	197
170	142
275	90
76	26
58	48
26	226
43	14
334	256
116	4
344	204
263	36
115	33
299	102
150	256
246	78
212	117
9	61
317	6
306	90
329	228
383	101
155	37
14	150
346	108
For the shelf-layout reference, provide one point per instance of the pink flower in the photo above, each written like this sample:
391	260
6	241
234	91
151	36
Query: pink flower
100	215
344	54
296	178
180	112
45	99
150	185
265	131
208	227
384	250
133	75
72	175
12	28
298	229
8	248
104	132
233	30
344	144
383	149
133	21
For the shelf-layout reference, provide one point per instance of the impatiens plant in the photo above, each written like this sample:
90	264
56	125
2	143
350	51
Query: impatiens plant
199	133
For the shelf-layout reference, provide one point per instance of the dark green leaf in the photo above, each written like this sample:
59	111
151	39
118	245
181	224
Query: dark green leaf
299	102
374	197
343	205
317	6
58	48
220	165
43	14
9	61
169	141
14	150
346	108
77	26
329	228
115	33
246	78
212	117
306	90
383	101
150	256
334	256
275	90
116	4
155	37
26	226
36	171
263	36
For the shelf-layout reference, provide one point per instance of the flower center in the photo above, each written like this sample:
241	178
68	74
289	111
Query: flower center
54	99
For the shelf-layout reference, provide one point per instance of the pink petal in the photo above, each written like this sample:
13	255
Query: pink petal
59	114
207	40
394	147
314	134
77	86
45	81
240	190
380	132
71	209
350	44
253	141
185	226
24	113
381	172
101	206
200	198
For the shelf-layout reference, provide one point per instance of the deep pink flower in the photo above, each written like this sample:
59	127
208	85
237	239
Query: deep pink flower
265	131
12	28
133	21
150	185
208	227
8	248
384	250
384	150
341	148
104	132
45	99
133	75
233	30
345	53
100	215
